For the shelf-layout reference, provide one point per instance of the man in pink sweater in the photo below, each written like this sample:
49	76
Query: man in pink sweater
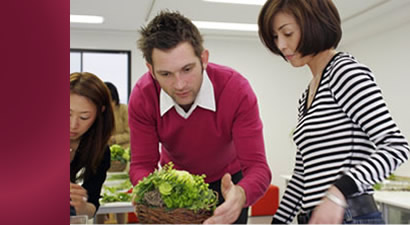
205	116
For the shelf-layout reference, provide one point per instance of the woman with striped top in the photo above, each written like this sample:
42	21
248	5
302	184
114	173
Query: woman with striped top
345	136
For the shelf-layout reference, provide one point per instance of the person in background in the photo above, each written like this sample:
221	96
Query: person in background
121	135
205	116
346	138
91	126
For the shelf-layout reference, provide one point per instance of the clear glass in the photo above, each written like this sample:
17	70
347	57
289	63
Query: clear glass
83	219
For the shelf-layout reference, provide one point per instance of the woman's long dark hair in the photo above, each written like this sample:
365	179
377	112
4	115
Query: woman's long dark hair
94	141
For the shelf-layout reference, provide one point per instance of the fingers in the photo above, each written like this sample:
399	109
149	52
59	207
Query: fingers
75	187
222	209
78	199
226	184
228	211
78	195
223	214
133	200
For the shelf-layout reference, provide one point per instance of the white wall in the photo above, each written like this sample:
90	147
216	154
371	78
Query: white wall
387	54
108	40
278	85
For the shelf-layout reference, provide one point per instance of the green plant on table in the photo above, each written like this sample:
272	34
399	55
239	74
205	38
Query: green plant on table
121	176
177	189
379	186
118	193
116	197
119	153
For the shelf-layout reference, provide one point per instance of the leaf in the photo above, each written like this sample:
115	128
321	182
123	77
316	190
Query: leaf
119	153
178	189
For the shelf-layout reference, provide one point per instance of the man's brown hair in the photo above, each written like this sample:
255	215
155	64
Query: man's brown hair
166	31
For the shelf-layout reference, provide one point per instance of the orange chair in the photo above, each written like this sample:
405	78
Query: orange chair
268	204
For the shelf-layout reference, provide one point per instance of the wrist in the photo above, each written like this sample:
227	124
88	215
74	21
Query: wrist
333	198
87	209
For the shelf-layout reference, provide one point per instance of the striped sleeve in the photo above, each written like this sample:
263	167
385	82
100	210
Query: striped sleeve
354	89
291	201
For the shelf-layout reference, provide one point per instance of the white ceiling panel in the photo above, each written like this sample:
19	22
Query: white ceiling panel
349	9
208	11
119	15
130	15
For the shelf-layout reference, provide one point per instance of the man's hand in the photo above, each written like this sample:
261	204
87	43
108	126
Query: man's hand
235	199
329	212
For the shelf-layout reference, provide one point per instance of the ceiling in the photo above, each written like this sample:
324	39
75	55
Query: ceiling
359	18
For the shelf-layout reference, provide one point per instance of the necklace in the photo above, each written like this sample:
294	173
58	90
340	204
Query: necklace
73	147
73	151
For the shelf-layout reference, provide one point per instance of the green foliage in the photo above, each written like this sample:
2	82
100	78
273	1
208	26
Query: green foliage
379	186
118	177
116	197
117	193
392	177
178	189
119	153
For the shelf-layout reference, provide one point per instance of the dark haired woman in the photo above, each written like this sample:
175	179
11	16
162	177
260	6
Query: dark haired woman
91	125
121	135
346	138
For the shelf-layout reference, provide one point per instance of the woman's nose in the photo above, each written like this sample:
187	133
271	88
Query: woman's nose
73	123
281	43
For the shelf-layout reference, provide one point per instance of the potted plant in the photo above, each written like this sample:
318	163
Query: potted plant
119	158
173	196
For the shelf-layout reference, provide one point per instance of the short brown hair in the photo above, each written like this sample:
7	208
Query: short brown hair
318	20
166	31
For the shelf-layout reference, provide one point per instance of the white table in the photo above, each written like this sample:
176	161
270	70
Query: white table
388	199
115	207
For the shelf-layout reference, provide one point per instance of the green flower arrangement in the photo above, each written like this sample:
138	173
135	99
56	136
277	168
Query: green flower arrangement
117	193
118	153
171	189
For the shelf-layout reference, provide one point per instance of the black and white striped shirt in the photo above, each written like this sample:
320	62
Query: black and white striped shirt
347	138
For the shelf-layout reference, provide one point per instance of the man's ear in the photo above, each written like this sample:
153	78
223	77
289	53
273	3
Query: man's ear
204	58
151	70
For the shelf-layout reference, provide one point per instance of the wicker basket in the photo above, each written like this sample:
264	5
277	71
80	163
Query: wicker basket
117	166
158	215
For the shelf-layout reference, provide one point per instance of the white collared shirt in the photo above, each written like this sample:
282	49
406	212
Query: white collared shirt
205	99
